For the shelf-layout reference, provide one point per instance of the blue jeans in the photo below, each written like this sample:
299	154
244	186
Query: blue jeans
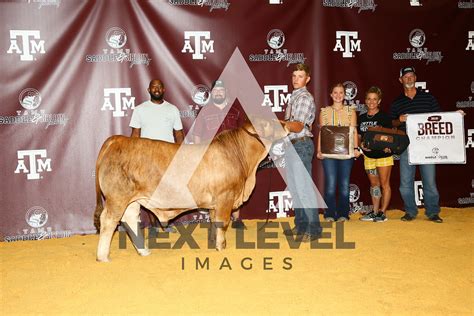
337	173
300	186
407	189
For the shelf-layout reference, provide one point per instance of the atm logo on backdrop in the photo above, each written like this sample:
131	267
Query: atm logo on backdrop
26	43
276	97
415	3
280	202
418	188
33	163
421	85
198	43
118	100
470	138
347	42
417	39
470	40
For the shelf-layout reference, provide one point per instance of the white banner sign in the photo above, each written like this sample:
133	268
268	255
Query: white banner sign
436	138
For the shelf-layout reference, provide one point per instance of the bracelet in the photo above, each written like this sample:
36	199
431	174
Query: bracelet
357	148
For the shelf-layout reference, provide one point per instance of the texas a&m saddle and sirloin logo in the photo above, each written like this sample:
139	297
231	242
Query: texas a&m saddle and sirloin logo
211	4
116	38
200	97
363	5
36	218
30	100
276	52
417	39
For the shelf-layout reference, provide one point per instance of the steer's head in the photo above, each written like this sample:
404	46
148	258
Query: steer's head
267	130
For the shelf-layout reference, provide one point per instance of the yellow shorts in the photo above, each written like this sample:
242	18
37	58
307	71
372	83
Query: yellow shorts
373	163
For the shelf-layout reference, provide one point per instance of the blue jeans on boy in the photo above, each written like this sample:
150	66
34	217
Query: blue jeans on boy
337	174
300	186
407	189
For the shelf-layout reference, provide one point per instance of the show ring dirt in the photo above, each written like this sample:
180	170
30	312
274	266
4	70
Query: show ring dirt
399	268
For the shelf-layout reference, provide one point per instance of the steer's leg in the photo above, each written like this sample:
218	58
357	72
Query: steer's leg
222	222
212	232
132	218
107	228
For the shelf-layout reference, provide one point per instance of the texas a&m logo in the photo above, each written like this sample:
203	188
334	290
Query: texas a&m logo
201	43
122	100
33	162
26	43
280	202
470	40
347	42
276	96
418	187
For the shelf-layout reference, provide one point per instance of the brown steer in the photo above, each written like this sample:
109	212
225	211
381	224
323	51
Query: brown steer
168	179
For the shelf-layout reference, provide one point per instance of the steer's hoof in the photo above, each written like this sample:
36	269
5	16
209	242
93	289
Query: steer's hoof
103	259
144	252
220	247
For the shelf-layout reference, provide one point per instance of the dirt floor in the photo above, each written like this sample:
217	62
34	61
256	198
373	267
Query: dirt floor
394	268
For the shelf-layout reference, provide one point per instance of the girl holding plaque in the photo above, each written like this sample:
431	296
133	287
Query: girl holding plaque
337	146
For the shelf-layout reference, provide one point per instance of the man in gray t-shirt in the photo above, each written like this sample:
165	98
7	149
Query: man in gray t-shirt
157	118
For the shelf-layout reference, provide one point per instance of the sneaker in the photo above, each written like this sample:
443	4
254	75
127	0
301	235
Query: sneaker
329	219
307	237
292	232
407	217
238	224
380	217
435	218
369	217
342	219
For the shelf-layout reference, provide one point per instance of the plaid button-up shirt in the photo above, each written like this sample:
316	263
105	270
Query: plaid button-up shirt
301	108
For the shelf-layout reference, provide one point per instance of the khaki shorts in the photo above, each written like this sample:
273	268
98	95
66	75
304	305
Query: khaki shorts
373	163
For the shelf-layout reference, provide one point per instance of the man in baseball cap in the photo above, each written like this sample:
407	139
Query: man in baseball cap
414	101
406	70
214	118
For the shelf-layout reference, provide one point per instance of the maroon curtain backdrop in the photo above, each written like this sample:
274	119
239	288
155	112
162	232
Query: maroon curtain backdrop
72	72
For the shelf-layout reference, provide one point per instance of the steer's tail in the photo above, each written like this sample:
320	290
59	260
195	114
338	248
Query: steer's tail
99	206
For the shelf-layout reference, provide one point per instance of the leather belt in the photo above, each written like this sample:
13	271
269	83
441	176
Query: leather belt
300	139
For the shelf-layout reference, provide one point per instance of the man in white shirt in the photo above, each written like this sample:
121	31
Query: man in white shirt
157	118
